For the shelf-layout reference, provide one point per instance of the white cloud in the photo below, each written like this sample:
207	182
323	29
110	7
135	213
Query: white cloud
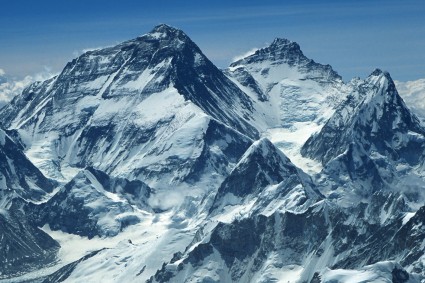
166	200
246	54
13	87
77	53
93	48
413	93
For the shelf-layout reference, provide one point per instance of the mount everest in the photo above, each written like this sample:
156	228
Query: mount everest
144	162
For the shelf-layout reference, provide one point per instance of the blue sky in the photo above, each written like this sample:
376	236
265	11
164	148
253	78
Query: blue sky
353	36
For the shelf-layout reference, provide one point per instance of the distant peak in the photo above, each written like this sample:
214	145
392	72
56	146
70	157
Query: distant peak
264	147
263	143
382	78
378	72
279	49
286	44
281	41
164	30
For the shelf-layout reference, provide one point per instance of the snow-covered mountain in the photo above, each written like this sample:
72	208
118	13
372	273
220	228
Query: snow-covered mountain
286	246
268	223
163	168
134	110
263	181
372	143
293	95
374	116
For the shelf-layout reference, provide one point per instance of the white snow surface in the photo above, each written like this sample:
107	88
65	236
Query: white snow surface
144	246
179	134
154	240
378	272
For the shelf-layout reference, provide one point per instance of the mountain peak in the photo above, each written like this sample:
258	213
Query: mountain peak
377	72
281	49
162	31
280	41
164	27
285	51
383	80
285	44
264	147
261	165
377	118
380	73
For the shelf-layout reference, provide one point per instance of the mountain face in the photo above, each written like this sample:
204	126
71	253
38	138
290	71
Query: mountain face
293	95
375	117
264	179
110	107
281	76
293	247
93	204
371	143
18	176
143	162
23	246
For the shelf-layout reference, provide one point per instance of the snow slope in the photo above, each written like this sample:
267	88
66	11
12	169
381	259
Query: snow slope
293	95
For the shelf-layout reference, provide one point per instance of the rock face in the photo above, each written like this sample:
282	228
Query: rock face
163	168
23	246
18	176
260	248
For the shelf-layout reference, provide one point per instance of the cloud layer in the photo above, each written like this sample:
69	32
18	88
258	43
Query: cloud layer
413	93
12	87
